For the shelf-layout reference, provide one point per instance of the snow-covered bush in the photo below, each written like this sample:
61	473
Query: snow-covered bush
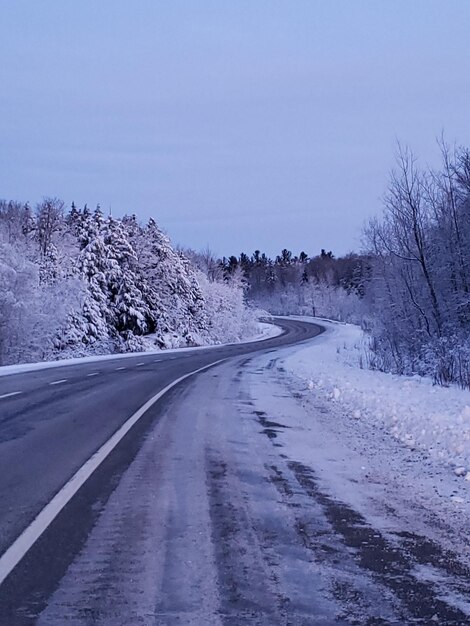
229	319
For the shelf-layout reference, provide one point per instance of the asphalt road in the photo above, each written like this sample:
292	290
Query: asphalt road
240	496
51	422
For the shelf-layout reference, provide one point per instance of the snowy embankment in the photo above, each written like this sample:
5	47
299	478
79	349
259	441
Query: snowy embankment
416	412
263	331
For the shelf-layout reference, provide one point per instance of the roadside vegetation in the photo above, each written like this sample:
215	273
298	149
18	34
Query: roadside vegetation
410	285
76	282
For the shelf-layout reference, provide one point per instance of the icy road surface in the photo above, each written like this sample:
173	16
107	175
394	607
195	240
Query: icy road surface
252	501
245	495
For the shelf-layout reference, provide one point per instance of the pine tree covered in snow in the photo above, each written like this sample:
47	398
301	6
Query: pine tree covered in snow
173	293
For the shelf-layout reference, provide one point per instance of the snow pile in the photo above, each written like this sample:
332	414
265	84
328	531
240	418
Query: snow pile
416	412
262	331
265	331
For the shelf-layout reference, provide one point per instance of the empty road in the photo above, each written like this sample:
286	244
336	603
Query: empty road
233	498
52	421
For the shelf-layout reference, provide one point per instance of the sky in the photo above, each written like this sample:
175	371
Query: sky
237	125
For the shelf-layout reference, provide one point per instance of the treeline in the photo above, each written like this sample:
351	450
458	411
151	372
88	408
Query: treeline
75	282
321	285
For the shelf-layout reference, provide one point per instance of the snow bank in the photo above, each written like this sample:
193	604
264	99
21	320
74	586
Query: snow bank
416	412
263	331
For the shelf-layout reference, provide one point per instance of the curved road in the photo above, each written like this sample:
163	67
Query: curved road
211	488
52	421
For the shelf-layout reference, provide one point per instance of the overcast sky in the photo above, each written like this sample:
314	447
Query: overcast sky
237	124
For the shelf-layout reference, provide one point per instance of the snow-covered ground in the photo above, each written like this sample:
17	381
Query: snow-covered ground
387	504
264	331
419	414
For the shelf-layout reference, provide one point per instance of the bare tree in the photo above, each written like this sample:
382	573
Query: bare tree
50	218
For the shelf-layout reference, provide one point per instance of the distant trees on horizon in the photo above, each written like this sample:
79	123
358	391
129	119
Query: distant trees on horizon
302	284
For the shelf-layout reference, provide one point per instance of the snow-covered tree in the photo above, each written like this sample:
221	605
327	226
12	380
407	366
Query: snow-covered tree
229	319
89	284
31	313
419	292
172	291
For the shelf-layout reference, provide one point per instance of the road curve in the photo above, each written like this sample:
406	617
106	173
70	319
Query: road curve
52	421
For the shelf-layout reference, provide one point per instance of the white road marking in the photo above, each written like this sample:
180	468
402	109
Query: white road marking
8	395
58	382
140	364
10	559
118	369
157	361
93	374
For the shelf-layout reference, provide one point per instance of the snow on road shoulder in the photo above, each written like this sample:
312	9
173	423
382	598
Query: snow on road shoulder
416	412
263	331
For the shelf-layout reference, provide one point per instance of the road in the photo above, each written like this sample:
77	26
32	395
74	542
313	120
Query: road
230	501
52	421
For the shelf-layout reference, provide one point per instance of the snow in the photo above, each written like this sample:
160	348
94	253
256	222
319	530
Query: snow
81	285
415	412
402	495
263	331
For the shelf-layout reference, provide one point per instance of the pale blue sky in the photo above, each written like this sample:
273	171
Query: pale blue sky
237	124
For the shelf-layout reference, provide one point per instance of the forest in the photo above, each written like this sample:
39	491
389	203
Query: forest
74	281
